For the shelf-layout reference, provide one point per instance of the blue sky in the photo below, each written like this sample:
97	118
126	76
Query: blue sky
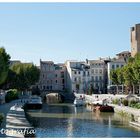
65	31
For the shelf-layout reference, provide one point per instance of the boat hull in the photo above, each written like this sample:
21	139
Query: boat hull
33	106
103	108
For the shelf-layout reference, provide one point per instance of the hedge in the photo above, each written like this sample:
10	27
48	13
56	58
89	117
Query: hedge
12	94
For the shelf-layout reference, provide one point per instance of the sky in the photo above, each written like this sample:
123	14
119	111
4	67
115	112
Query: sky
66	31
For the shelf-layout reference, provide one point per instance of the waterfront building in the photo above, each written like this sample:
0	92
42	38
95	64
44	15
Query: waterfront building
52	76
78	76
135	40
118	62
123	55
98	74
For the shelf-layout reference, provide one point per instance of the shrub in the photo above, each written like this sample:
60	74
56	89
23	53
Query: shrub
137	105
115	101
1	118
132	102
12	94
125	102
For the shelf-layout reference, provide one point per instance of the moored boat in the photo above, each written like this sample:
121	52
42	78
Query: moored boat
102	106
34	102
80	101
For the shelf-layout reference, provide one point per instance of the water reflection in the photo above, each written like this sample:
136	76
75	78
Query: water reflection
66	120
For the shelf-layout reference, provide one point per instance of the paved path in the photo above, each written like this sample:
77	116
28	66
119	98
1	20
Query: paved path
4	108
16	122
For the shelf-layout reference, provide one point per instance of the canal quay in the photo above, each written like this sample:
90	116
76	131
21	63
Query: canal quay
65	120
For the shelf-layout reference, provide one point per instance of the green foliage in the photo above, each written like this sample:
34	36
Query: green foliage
129	75
12	94
115	101
120	75
125	102
114	77
123	113
135	105
1	117
23	76
132	102
4	65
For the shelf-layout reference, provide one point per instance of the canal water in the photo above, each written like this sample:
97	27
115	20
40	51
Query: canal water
66	120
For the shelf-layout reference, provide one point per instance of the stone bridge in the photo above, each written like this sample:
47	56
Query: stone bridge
64	95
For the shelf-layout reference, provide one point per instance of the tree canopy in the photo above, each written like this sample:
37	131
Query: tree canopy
23	76
129	75
4	65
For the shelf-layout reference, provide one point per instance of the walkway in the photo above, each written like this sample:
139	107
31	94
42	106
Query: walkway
16	123
4	108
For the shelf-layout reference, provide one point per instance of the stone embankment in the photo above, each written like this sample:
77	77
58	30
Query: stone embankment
131	112
17	125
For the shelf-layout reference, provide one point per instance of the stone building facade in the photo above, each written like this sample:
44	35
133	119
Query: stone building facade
52	76
78	76
98	74
135	40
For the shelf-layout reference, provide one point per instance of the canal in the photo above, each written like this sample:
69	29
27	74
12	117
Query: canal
66	120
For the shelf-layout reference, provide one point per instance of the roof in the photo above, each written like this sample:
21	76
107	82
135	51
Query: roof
96	61
47	62
118	60
124	52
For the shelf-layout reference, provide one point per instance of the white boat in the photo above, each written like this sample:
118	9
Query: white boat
35	100
79	102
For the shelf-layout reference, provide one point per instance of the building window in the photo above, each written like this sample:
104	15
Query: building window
92	78
56	81
92	71
75	79
121	65
55	75
96	71
88	73
79	72
75	72
63	81
62	74
100	71
117	66
96	78
113	67
63	87
100	77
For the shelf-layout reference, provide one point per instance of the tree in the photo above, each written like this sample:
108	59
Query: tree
136	69
114	78
4	65
120	77
24	76
129	76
